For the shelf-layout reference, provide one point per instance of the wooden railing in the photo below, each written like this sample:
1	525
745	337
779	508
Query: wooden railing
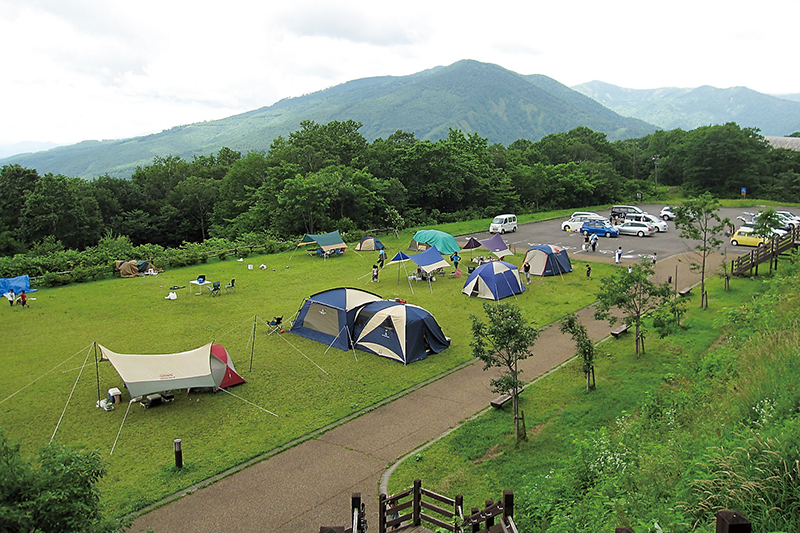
747	264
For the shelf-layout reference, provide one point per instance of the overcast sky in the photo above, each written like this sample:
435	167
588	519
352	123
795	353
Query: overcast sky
73	70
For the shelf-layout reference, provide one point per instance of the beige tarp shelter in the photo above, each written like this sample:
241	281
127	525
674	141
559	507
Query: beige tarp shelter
148	373
132	269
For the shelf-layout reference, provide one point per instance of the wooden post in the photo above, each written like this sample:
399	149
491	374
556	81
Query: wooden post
355	512
178	453
458	511
508	503
476	525
489	519
733	522
417	502
382	513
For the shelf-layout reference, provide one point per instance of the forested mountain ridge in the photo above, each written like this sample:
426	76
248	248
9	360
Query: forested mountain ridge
687	109
471	96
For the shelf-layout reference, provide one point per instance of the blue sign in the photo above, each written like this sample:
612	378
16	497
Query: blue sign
744	190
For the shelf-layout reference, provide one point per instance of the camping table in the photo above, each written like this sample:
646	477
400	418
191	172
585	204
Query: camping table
199	285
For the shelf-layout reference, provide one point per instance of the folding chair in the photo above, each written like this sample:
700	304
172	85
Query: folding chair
231	287
276	324
214	289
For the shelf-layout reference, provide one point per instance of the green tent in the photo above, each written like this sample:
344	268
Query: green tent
326	241
444	242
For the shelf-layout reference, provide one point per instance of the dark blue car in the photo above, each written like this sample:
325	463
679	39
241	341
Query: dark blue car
598	227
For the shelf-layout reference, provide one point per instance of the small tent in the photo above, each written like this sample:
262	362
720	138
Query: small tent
426	238
328	316
17	284
207	366
369	244
429	260
132	269
403	332
494	281
497	246
472	243
325	241
547	260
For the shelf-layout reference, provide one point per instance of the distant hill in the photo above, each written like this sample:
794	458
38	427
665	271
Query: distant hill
474	97
7	150
672	108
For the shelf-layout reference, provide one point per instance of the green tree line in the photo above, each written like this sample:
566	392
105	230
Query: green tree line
325	177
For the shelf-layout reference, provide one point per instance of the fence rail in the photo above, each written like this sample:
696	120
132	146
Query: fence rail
747	264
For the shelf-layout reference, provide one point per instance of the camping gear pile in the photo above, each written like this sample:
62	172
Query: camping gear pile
132	269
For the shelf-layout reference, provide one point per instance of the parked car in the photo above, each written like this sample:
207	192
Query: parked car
745	237
621	211
666	213
790	220
590	215
640	229
657	223
776	232
575	223
598	227
503	224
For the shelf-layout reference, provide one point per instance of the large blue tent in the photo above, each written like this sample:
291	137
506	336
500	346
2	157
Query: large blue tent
328	316
494	280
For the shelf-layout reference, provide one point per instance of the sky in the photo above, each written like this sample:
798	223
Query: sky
73	70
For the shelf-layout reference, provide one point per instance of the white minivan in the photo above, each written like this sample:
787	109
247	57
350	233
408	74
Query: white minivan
503	224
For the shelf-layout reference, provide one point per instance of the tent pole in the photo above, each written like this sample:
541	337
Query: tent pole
97	371
253	342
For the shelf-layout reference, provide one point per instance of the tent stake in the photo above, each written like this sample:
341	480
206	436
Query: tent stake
253	341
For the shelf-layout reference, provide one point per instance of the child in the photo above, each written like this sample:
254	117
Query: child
23	299
375	272
589	271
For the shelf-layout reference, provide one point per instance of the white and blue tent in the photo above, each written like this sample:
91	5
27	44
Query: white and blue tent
494	280
402	332
547	260
328	316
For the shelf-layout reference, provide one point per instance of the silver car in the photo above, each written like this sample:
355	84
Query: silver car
640	229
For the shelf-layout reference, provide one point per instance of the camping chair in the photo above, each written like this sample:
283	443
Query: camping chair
276	324
231	287
456	274
215	289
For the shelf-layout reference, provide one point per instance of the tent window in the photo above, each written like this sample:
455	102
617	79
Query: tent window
388	324
362	318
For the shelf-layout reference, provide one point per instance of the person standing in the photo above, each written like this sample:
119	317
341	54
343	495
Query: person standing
527	269
381	257
618	255
585	242
456	259
655	256
10	295
23	299
589	271
375	272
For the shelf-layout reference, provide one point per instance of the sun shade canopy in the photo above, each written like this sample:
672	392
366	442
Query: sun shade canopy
326	241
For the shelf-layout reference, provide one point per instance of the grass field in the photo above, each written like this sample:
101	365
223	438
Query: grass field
51	382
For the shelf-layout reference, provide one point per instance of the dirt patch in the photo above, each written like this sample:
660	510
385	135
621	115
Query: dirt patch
534	432
491	453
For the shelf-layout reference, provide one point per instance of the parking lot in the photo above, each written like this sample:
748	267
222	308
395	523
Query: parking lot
663	244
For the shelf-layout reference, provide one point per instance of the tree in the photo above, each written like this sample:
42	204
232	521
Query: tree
698	220
505	341
58	496
632	294
570	324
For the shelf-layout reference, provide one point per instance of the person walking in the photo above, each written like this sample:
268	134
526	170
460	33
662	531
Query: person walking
594	242
10	295
585	242
455	258
381	257
589	271
618	255
655	257
375	272
23	299
527	269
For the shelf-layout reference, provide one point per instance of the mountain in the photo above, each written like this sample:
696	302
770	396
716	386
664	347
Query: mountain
7	150
672	108
474	97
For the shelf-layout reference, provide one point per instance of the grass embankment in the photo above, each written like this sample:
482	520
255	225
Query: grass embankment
49	386
706	420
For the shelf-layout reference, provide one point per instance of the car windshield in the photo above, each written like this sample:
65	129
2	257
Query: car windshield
497	220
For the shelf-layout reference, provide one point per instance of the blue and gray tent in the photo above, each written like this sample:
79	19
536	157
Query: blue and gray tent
494	280
328	316
403	332
547	260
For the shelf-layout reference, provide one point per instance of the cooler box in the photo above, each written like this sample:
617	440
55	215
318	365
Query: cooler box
114	395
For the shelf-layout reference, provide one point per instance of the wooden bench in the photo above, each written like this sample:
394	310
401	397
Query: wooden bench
685	291
497	403
620	330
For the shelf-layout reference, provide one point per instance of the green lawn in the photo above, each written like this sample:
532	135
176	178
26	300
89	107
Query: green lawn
50	383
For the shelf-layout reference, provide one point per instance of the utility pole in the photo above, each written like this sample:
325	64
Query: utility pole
656	158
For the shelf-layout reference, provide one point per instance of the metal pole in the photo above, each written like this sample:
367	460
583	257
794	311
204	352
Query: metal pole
253	343
178	453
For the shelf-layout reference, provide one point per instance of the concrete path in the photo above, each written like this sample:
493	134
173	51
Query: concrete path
310	485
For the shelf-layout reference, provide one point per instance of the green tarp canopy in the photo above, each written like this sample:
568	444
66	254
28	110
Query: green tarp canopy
444	242
326	241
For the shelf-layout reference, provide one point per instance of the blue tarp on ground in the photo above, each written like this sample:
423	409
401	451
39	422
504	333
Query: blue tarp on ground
18	284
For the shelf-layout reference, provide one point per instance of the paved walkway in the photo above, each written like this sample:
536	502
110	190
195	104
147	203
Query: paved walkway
310	484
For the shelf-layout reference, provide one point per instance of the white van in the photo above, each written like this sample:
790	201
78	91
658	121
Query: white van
503	224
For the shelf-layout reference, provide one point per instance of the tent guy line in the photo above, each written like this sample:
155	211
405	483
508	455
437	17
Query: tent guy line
298	350
71	393
43	375
249	402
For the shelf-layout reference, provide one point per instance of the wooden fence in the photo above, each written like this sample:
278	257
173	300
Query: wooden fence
747	264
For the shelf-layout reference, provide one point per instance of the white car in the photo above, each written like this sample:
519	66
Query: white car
589	215
575	223
659	224
790	219
666	213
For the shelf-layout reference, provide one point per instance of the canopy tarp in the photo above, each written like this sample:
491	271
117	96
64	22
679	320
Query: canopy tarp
497	246
472	243
326	241
399	258
18	284
444	242
429	260
150	373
